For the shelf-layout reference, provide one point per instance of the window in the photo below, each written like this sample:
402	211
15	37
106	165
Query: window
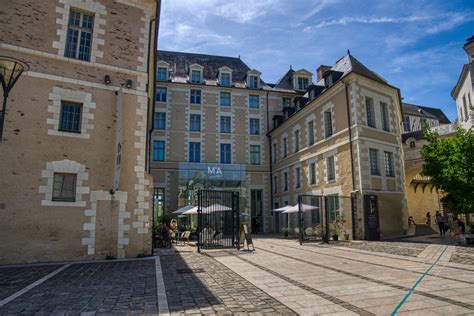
388	159
374	162
285	147
254	101
195	76
312	173
384	114
297	140
331	169
254	154
298	177
253	82
159	150
194	152
64	187
225	99
161	94
285	182
327	124
406	123
412	144
285	102
369	107
159	121
275	152
466	113
254	126
225	153
70	117
275	184
162	74
302	83
333	207
225	79
195	96
225	124
79	35
195	122
310	133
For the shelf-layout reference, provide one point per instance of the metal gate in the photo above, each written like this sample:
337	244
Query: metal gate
218	219
312	222
324	218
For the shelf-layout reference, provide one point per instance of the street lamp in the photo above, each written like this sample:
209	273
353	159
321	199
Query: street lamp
10	71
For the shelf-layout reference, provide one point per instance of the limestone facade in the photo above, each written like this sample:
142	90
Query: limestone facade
91	223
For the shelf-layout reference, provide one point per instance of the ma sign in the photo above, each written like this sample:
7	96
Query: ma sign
214	171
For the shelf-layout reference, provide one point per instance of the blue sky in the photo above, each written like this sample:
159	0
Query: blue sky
415	45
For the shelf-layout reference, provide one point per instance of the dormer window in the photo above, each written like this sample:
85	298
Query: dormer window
225	76
303	83
253	79
253	82
225	79
328	81
162	74
195	76
195	73
162	70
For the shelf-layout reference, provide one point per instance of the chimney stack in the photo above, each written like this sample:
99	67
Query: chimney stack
469	48
321	70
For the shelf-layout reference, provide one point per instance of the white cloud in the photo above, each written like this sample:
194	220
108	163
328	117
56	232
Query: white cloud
367	20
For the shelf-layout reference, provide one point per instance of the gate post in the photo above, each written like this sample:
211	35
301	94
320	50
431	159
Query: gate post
237	216
300	220
326	221
199	228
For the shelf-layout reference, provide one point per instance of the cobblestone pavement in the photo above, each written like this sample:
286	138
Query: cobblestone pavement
104	288
463	255
197	283
396	248
280	277
15	278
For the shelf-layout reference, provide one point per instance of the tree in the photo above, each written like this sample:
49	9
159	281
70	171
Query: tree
450	164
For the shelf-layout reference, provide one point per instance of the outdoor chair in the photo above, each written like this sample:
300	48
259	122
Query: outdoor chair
185	236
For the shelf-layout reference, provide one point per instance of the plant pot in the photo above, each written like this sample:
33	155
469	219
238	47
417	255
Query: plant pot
346	236
286	235
335	237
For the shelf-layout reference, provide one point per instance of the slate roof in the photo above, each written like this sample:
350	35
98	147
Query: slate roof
180	62
433	113
285	81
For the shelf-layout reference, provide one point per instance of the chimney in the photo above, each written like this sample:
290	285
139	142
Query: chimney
321	70
469	48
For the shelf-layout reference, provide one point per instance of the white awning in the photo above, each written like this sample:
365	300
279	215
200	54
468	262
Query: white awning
183	209
282	209
304	208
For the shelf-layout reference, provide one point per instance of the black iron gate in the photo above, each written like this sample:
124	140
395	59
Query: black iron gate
312	222
218	219
324	218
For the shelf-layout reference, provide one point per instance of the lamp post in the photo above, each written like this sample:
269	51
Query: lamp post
10	70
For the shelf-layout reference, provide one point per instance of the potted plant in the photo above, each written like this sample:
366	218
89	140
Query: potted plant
346	235
335	227
285	231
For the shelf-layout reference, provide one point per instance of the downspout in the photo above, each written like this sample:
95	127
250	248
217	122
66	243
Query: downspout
269	137
351	154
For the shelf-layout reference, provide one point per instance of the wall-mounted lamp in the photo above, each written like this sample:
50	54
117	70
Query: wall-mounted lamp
107	79
129	83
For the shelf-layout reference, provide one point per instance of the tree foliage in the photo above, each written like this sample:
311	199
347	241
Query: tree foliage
450	164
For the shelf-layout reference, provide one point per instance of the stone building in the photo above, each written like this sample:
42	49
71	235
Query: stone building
219	125
342	140
422	196
463	91
62	152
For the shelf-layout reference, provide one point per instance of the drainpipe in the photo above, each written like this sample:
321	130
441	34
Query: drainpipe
270	155
351	154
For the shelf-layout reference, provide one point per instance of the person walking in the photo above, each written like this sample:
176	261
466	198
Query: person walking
440	222
428	219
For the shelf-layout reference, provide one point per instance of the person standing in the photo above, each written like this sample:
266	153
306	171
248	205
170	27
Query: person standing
428	219
440	221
